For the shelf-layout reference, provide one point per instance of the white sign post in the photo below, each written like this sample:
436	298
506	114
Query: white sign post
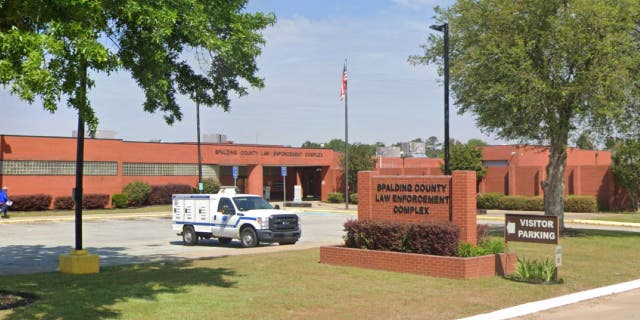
283	172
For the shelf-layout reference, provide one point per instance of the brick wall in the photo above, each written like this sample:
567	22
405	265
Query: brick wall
435	266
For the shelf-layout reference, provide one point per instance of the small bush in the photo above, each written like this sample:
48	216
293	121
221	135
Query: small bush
486	247
162	194
335	197
63	203
209	186
580	204
533	270
95	201
489	200
37	202
119	200
137	192
522	203
353	198
422	238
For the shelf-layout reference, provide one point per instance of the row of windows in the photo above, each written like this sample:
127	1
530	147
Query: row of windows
101	168
57	168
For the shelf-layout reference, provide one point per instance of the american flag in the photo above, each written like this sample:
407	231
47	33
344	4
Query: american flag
343	87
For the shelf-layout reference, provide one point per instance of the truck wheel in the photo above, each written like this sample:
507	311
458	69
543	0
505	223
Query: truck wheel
224	241
287	243
248	237
189	236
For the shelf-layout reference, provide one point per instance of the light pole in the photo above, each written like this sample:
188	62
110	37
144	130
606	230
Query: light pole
402	155
200	186
444	28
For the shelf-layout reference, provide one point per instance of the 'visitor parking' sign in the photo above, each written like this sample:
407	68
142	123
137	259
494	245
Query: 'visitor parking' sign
531	228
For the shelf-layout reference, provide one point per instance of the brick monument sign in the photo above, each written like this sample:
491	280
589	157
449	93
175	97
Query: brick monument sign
420	198
414	199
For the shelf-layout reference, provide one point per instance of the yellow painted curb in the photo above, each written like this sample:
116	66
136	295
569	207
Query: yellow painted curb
79	262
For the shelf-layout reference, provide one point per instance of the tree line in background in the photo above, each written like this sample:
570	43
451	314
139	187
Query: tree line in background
463	156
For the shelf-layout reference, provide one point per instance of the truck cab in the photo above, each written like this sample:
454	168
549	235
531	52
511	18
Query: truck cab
228	215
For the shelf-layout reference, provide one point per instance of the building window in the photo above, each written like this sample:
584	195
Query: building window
161	169
495	163
56	168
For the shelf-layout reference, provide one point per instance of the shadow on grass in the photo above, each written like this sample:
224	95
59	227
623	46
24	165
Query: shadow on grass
21	259
63	296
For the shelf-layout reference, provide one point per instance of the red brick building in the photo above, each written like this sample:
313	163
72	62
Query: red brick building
35	165
519	169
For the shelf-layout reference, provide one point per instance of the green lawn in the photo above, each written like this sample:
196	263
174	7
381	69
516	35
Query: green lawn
289	285
619	217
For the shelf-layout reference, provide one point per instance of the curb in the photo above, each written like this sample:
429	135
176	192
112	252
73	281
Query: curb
537	306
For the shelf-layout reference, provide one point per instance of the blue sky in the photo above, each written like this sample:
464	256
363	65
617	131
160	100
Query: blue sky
389	100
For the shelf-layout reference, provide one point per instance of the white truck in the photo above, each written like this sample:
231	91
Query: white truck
227	215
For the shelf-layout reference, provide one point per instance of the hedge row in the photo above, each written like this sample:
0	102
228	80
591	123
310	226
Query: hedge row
160	194
35	202
338	197
422	238
494	200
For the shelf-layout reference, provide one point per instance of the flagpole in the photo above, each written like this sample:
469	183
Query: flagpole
346	140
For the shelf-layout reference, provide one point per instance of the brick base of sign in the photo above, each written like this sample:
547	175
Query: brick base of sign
434	266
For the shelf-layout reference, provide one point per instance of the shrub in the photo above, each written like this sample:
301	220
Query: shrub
209	186
580	204
535	271
37	202
162	194
335	197
486	247
423	238
522	203
353	198
95	201
119	200
63	203
489	200
137	192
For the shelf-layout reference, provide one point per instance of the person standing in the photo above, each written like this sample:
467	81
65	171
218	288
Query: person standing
4	202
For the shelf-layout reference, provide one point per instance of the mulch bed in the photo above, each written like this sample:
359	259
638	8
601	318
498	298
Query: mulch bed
10	300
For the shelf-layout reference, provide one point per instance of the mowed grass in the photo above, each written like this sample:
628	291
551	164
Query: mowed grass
293	284
619	217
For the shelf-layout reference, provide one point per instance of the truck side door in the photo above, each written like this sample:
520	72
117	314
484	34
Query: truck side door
226	219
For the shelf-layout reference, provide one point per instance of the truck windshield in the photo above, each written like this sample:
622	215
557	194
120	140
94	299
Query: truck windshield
251	203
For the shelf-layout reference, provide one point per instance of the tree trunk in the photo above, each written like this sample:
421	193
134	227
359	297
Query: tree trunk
553	186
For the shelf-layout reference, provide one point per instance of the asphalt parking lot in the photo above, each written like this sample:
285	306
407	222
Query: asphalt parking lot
30	247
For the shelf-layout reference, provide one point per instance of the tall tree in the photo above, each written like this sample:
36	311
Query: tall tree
625	166
585	141
47	47
466	157
361	158
535	70
476	142
433	148
311	145
335	145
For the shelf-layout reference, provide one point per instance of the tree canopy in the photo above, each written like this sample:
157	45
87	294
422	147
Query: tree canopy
534	71
47	47
467	157
625	167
